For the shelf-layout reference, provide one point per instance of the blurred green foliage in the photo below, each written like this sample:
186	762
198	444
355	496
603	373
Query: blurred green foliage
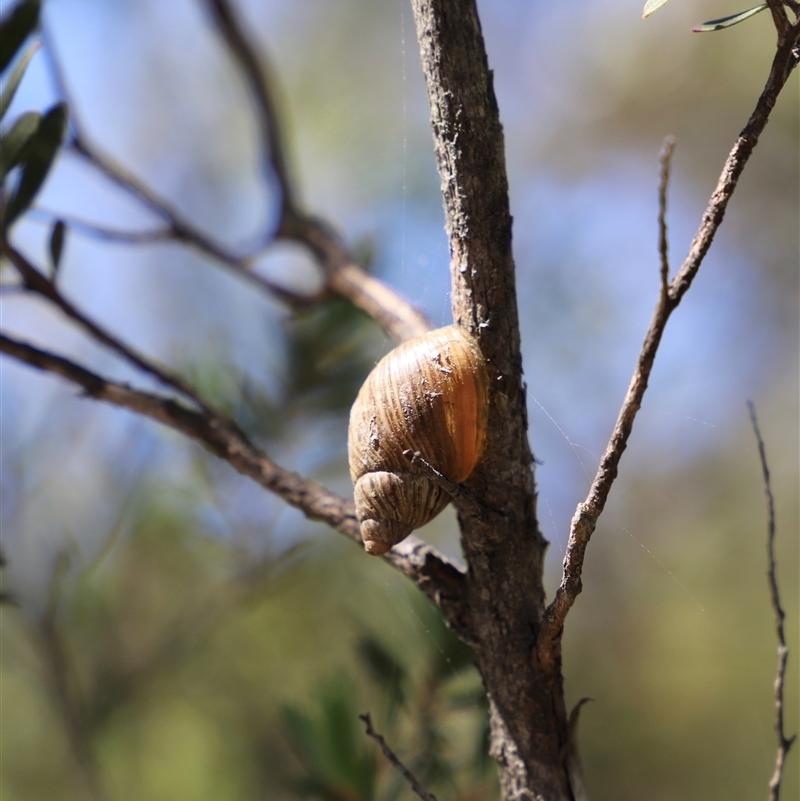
32	142
327	351
162	669
175	658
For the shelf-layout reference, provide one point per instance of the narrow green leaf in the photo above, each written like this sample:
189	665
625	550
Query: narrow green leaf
382	665
39	155
15	28
57	244
652	5
299	731
12	145
16	76
726	22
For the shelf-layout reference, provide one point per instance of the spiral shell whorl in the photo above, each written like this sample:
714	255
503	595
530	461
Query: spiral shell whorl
429	395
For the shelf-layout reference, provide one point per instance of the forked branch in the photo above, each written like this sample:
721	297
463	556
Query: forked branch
586	515
432	572
341	275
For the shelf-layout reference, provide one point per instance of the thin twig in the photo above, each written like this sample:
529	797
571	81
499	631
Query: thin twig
784	742
586	515
341	274
181	230
178	227
344	277
256	71
460	493
665	159
240	266
435	575
102	232
42	285
782	65
392	757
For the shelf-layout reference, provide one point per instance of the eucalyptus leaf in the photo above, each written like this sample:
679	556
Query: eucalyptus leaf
40	151
16	76
15	28
57	244
727	22
12	145
652	5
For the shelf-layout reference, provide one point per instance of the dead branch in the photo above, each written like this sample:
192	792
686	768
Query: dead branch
36	282
342	276
255	69
417	788
784	742
436	576
586	515
665	158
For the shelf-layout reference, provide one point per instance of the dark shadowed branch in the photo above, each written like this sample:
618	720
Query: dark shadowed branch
586	515
784	742
255	69
394	759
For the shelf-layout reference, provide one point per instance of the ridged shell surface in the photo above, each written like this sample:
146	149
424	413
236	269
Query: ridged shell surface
428	395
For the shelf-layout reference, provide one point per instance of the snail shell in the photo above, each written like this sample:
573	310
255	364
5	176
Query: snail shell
429	396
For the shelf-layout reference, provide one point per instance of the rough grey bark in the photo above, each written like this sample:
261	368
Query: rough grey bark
516	640
502	544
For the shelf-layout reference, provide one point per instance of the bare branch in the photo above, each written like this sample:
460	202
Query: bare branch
392	757
782	65
586	515
342	275
435	575
180	229
36	282
398	317
454	490
102	232
665	158
255	69
779	17
784	742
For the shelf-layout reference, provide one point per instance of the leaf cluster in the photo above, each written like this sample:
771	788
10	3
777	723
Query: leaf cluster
30	145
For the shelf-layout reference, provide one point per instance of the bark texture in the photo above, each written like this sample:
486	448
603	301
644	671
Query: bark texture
501	539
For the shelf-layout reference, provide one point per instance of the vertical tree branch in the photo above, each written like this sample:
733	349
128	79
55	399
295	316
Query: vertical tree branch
505	551
665	157
784	742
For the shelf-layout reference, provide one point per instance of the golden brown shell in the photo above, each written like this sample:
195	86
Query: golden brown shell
429	395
